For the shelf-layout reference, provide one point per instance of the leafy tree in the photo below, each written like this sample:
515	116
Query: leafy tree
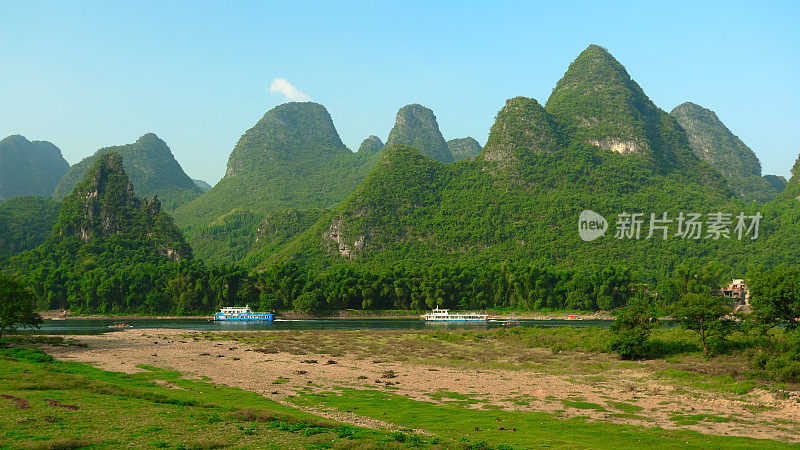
16	305
632	328
775	296
706	315
697	280
309	302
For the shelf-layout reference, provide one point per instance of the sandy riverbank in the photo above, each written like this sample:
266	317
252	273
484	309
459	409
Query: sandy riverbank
758	414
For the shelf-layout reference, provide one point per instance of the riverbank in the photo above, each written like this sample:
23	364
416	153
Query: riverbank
514	372
338	314
59	314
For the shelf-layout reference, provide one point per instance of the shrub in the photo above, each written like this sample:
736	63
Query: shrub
632	328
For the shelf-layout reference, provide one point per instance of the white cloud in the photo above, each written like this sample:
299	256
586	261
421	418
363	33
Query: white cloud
292	94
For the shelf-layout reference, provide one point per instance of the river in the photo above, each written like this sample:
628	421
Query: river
97	326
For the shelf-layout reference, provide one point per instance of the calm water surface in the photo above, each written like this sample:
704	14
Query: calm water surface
96	326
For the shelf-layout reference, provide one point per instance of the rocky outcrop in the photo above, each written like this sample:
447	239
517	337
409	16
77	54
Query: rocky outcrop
336	241
104	205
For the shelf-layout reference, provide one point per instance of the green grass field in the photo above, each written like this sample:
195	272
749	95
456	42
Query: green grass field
511	429
54	404
47	403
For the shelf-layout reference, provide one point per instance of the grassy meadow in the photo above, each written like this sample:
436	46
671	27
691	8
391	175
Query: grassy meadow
47	403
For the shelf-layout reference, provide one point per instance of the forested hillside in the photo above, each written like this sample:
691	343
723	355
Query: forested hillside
292	158
24	223
600	144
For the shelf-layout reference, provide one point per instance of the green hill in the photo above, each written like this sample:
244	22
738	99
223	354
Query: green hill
293	159
104	207
204	187
792	189
780	224
25	222
597	103
152	168
714	143
370	145
522	130
463	147
521	198
29	167
777	182
416	127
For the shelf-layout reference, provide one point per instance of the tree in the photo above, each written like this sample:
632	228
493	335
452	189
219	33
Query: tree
775	296
705	279
632	328
705	315
16	305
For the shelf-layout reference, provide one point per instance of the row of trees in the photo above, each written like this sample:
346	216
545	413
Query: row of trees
110	285
106	283
524	287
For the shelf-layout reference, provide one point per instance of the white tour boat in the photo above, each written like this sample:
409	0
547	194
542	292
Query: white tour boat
443	315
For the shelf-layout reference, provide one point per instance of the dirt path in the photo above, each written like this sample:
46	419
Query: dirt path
647	401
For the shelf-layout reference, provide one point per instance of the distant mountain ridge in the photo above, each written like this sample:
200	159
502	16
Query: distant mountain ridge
204	187
152	168
713	142
25	222
29	167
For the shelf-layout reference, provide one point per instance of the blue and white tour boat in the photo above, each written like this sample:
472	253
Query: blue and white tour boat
238	313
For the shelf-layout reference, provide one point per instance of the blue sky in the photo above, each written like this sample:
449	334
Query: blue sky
85	75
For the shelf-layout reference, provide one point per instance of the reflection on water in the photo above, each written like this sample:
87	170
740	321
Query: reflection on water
96	326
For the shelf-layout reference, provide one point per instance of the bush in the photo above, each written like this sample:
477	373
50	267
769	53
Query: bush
632	328
779	356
